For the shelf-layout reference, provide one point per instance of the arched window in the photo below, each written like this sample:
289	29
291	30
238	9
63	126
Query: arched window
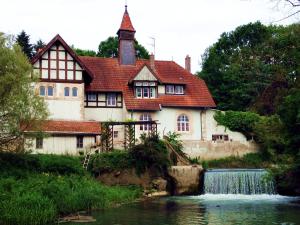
183	123
74	91
145	117
42	91
67	91
50	91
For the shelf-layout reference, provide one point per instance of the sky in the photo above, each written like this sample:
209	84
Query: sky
179	27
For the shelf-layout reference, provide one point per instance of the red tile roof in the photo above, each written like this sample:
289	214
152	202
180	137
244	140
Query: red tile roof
110	76
126	22
71	127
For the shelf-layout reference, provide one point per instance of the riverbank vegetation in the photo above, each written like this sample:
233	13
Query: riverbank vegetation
37	189
254	70
151	154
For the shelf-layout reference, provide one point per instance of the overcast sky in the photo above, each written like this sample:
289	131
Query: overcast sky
179	27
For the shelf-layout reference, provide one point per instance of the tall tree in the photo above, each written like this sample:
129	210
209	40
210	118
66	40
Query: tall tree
249	61
38	45
20	107
23	40
109	49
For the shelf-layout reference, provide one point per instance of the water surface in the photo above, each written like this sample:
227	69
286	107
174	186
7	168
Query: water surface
206	209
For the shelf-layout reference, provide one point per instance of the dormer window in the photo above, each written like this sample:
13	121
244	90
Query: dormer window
146	89
174	89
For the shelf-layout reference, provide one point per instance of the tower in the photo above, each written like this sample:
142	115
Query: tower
126	41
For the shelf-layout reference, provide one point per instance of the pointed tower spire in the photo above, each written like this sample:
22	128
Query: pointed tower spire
126	41
126	22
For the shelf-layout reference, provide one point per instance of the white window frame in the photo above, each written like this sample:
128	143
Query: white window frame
145	117
170	89
148	92
179	90
183	123
152	92
111	99
139	92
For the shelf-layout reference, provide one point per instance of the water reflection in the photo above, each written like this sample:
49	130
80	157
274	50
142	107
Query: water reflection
204	210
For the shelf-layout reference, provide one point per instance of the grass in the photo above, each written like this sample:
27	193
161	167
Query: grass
40	197
251	160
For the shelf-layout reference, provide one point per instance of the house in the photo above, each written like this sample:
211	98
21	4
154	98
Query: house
81	92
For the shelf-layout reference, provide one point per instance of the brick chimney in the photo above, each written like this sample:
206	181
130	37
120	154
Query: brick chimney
188	63
152	61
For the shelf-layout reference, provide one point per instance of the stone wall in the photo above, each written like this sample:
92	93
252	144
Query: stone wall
218	149
187	179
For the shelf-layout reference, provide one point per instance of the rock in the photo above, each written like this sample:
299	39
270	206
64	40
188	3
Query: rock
159	184
187	179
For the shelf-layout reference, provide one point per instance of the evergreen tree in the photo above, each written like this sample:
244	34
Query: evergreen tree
38	45
23	40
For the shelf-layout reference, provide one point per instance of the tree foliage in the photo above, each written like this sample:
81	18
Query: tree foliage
20	107
84	52
38	45
109	49
251	60
23	40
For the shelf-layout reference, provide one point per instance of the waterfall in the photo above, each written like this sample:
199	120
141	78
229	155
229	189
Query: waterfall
237	181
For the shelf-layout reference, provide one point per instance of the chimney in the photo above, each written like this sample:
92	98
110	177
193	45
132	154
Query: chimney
152	61
188	63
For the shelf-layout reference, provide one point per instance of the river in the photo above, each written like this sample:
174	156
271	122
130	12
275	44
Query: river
215	209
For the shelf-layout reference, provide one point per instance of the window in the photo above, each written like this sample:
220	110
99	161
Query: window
145	92
79	141
138	92
50	91
74	92
183	123
152	92
67	91
92	97
179	89
42	91
175	89
111	99
170	89
145	117
39	143
116	134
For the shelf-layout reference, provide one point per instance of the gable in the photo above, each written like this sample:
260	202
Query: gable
58	62
145	74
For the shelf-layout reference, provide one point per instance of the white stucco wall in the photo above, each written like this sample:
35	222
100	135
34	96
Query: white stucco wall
104	114
213	128
145	74
60	145
61	106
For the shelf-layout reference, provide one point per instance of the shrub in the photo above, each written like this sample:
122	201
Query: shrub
150	154
19	164
243	122
115	160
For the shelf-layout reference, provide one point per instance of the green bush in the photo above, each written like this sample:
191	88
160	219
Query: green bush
19	164
151	154
243	122
109	161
